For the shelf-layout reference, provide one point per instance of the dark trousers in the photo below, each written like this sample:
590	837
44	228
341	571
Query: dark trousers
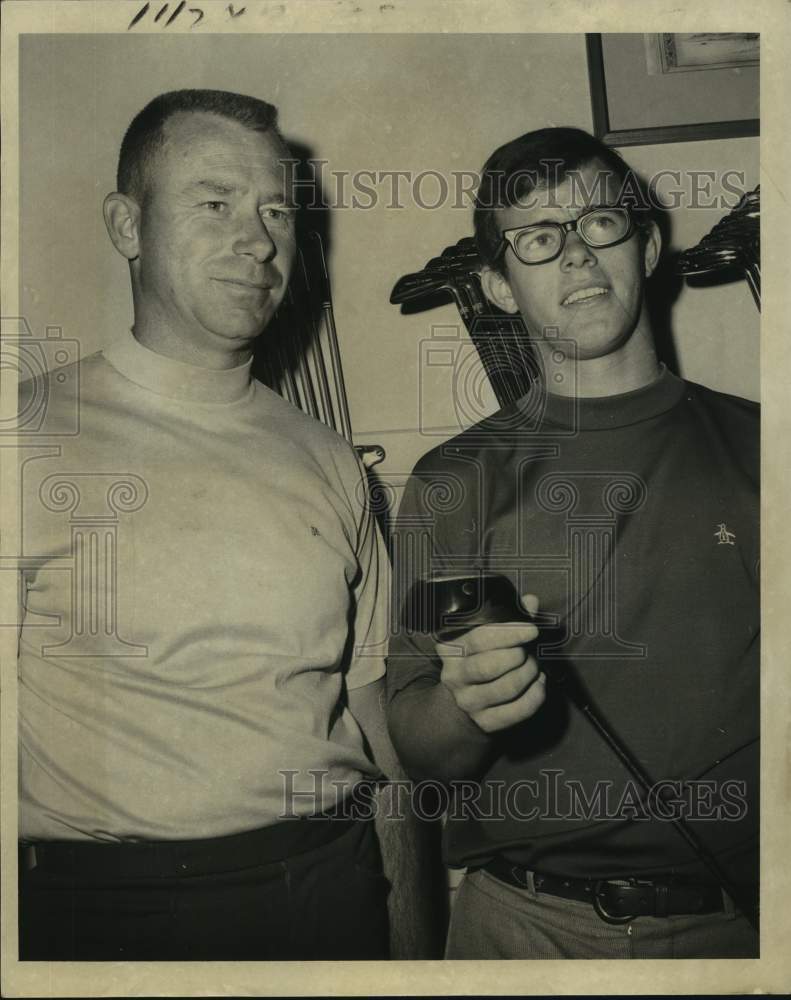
167	900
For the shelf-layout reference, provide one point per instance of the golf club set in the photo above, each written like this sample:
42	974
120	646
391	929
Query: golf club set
501	340
733	244
302	361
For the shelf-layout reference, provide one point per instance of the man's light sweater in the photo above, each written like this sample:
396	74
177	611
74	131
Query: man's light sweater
204	620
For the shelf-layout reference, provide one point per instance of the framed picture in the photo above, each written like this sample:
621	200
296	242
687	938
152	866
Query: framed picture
673	87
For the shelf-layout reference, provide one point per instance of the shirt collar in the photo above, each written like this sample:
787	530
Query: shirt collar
177	379
604	412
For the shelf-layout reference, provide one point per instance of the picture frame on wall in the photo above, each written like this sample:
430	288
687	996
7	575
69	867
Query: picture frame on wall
673	87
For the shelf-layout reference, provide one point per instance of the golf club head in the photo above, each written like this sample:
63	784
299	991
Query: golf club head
447	606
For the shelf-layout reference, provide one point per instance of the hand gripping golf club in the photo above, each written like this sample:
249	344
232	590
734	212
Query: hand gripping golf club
447	607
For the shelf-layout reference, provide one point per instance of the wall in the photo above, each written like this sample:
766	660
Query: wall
376	102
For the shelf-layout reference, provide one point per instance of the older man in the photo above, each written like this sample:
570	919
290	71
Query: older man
626	500
215	640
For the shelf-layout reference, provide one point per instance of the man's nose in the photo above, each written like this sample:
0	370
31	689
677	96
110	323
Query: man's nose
576	252
255	241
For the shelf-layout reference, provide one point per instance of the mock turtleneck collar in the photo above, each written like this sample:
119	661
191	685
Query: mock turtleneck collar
605	412
176	379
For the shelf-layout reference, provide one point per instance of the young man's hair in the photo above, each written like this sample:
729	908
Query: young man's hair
539	161
146	134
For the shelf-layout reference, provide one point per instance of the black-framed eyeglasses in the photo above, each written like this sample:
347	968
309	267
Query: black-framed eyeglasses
539	244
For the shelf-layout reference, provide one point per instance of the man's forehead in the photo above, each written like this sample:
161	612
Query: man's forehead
201	140
583	187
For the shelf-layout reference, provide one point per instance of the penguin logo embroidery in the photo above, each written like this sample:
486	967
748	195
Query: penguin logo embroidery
723	536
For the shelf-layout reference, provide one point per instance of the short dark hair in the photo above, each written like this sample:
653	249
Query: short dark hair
145	136
543	159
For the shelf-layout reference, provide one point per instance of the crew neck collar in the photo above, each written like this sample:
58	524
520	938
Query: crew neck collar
604	412
177	379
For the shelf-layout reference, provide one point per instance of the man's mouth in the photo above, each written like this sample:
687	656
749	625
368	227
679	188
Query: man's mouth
584	294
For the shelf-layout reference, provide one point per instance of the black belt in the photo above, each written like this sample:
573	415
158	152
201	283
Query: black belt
619	900
174	858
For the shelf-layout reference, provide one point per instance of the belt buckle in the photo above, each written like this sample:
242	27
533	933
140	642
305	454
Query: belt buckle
598	906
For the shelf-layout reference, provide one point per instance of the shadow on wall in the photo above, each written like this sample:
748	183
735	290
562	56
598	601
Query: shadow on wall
292	334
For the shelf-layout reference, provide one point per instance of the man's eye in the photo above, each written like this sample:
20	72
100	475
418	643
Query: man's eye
604	219
539	239
215	206
279	215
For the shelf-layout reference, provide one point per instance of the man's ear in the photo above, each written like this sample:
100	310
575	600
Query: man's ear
652	248
497	290
122	218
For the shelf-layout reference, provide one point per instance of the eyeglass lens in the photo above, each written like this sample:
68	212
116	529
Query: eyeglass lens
599	228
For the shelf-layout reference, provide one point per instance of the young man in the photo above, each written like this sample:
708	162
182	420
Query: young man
209	581
624	501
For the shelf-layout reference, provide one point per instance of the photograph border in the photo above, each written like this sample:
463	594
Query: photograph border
772	972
